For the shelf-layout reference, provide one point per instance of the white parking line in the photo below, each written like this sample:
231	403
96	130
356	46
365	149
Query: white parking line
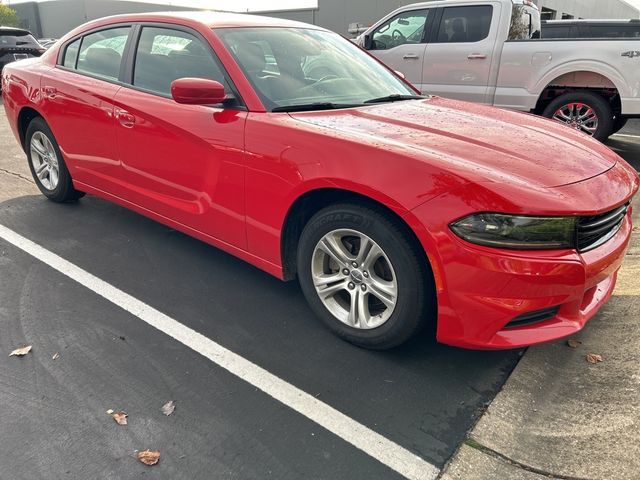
382	449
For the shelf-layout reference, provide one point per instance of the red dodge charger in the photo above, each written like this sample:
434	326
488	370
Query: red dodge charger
286	145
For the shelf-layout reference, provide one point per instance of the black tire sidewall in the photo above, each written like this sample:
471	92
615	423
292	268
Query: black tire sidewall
599	104
64	191
410	313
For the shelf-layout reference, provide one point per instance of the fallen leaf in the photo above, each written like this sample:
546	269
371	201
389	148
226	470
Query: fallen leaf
574	343
168	408
120	418
20	352
149	457
55	356
109	412
593	358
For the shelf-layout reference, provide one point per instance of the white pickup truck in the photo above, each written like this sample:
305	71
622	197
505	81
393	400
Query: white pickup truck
490	51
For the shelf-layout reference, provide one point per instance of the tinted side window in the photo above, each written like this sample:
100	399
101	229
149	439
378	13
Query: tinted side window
71	54
164	55
556	31
101	52
404	28
614	31
465	24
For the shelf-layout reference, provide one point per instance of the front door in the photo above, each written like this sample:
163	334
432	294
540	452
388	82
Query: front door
459	59
184	162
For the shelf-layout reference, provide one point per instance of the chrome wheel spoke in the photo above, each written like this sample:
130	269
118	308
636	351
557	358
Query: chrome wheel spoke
334	248
358	311
384	291
37	145
324	280
561	115
53	177
40	169
374	253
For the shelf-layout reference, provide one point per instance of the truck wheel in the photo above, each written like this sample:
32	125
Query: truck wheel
587	112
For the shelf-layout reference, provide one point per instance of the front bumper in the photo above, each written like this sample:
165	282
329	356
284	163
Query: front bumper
486	290
480	290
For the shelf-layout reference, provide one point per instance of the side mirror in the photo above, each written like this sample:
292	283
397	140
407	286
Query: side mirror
197	91
367	42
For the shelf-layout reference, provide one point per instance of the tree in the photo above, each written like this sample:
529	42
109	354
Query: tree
9	17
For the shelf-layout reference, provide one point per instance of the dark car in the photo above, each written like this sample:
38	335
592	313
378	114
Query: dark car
17	44
591	28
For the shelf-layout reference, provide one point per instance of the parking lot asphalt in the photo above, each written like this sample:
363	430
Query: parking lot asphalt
422	396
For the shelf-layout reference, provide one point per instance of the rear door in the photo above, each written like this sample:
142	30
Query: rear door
79	107
459	58
399	42
184	162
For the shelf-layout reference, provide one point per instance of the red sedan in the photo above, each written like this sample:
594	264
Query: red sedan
289	147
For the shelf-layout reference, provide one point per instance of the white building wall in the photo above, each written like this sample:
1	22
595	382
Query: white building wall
590	8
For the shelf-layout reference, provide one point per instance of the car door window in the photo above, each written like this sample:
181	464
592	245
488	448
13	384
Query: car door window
405	28
465	24
164	55
101	52
71	54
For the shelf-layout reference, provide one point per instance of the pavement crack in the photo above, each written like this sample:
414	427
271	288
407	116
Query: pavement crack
470	442
18	175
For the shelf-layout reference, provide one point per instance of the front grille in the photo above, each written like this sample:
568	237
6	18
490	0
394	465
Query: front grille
533	317
596	230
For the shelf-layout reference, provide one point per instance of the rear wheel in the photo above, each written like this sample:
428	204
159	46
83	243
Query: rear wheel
586	111
47	165
363	277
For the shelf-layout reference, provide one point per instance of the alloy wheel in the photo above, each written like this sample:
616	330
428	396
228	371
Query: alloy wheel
354	279
45	161
579	116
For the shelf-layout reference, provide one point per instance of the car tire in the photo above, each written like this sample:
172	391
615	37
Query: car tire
47	165
618	124
391	263
572	109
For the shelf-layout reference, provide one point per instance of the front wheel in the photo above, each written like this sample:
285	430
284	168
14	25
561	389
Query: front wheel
47	165
364	277
587	112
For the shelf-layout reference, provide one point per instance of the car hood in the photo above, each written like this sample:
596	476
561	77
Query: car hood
476	140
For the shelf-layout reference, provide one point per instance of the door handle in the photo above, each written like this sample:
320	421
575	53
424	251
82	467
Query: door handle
410	56
49	92
125	118
476	56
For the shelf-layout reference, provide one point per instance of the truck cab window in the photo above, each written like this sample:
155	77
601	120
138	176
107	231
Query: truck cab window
465	24
405	28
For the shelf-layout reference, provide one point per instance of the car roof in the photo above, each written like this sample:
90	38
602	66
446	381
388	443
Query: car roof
10	30
212	19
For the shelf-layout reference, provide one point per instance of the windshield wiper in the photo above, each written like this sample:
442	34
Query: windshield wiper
396	97
314	106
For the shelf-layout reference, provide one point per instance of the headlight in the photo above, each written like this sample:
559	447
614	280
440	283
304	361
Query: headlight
517	232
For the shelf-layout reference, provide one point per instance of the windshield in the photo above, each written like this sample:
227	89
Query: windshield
291	67
525	21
